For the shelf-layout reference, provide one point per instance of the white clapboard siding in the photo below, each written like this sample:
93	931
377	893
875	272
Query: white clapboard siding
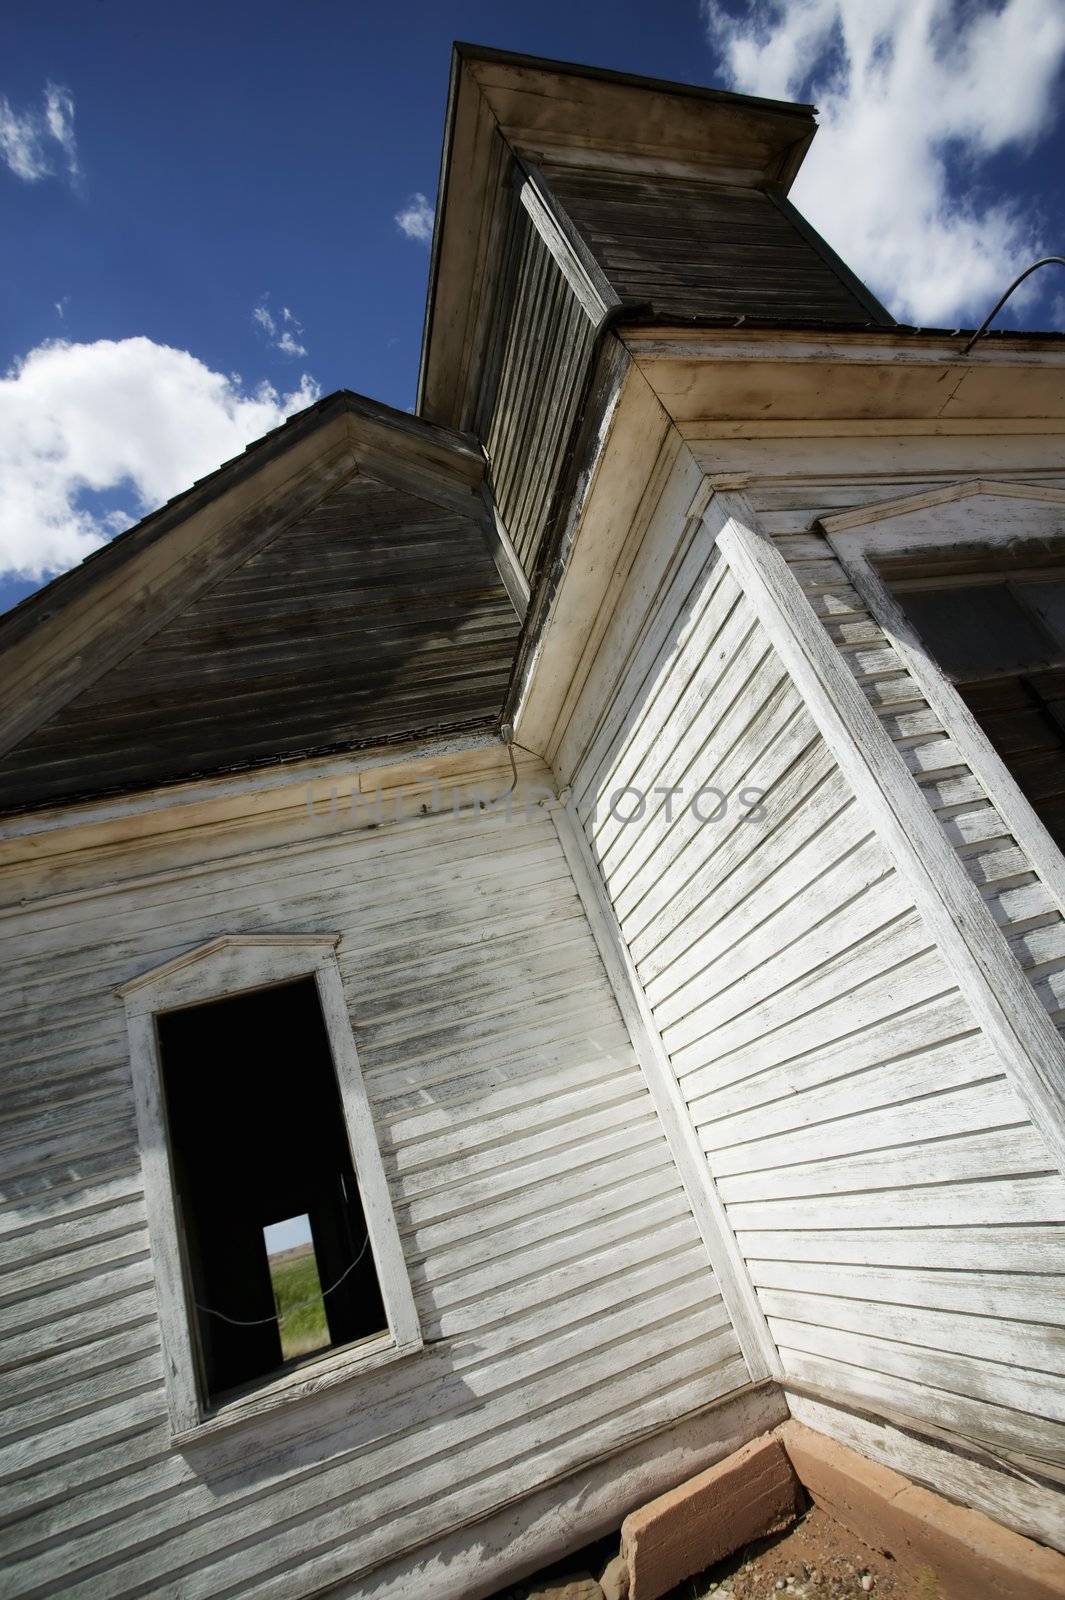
563	1290
788	510
898	1214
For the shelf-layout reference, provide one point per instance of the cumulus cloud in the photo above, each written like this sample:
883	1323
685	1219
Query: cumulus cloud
37	144
127	419
914	95
282	331
416	219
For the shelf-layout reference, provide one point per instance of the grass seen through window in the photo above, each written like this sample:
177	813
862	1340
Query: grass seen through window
297	1287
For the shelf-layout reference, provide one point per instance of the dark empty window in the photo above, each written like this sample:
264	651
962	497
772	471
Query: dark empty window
276	1250
1002	642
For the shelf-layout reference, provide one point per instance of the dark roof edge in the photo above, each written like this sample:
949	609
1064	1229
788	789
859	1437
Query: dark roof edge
38	607
859	289
732	324
635	80
412	736
442	181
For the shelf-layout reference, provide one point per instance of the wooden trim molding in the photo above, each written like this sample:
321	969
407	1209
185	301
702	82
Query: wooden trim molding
970	488
575	261
1028	1045
730	1269
224	967
506	559
859	537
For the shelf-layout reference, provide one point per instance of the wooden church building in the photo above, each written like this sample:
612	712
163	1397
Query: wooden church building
534	932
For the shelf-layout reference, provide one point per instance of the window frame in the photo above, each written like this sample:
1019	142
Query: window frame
227	966
960	517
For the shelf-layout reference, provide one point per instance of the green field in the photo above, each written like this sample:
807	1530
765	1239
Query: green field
298	1294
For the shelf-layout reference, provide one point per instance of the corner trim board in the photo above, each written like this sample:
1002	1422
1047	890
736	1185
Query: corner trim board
859	536
1025	1040
974	747
506	559
861	291
574	260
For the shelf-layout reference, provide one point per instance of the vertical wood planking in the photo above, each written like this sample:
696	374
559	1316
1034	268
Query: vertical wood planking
543	347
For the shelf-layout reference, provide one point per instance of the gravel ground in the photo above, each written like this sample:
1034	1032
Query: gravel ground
817	1559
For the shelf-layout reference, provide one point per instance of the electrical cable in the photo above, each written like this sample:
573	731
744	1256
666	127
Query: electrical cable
1044	261
260	1322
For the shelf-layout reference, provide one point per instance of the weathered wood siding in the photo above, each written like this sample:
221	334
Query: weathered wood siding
562	1287
683	248
897	1211
377	616
537	368
852	473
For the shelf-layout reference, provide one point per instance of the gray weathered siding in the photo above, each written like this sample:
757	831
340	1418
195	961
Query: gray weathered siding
898	1213
788	505
378	615
563	1290
677	249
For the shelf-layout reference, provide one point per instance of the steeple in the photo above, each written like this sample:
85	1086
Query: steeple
672	199
573	201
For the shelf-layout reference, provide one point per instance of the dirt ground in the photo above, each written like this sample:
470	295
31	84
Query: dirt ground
817	1559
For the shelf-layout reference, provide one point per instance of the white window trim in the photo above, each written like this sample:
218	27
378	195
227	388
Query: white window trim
227	966
862	537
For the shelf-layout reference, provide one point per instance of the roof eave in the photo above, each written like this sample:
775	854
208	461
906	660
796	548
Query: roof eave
780	135
43	604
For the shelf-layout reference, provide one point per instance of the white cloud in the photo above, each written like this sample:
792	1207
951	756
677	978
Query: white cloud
416	219
914	96
127	417
281	335
31	142
290	344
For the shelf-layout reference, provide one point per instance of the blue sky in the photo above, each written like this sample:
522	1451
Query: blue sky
204	162
288	1234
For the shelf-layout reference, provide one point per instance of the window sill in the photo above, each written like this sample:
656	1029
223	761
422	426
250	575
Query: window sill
342	1366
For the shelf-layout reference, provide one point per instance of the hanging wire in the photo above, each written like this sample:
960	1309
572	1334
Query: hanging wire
1044	261
260	1322
513	768
507	735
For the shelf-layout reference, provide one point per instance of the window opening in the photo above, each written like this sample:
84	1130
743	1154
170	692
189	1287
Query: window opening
275	1242
1001	639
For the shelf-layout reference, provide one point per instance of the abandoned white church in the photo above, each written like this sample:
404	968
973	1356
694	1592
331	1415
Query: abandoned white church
589	855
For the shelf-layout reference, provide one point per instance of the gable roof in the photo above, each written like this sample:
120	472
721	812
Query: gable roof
40	606
331	588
